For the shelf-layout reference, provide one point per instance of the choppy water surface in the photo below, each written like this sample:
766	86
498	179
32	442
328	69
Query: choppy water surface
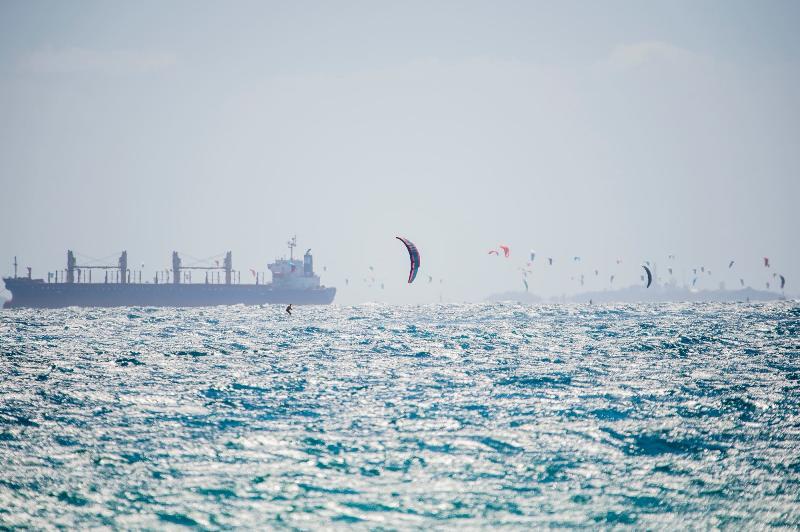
377	416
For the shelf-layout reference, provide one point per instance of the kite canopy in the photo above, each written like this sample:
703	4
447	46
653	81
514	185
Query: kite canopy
413	256
506	250
649	276
783	281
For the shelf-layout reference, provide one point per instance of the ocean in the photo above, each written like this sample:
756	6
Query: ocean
372	416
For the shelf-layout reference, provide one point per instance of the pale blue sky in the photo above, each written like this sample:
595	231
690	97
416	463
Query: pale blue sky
608	130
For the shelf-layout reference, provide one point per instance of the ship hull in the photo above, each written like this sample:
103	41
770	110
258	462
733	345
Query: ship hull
37	294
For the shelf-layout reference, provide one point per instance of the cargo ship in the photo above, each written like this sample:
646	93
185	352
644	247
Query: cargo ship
293	282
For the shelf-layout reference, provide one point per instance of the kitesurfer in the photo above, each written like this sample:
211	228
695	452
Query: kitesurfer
289	309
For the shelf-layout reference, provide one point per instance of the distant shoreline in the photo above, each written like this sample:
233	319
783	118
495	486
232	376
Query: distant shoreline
637	294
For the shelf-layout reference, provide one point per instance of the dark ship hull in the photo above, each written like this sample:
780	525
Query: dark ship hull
35	293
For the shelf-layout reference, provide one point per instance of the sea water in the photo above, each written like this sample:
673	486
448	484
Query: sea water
475	416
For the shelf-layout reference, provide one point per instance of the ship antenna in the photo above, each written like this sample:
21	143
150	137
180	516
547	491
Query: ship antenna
292	244
15	266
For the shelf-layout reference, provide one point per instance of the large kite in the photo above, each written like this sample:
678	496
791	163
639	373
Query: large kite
413	255
649	276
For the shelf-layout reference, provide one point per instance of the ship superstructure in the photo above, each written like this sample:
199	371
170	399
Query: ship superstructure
293	281
293	273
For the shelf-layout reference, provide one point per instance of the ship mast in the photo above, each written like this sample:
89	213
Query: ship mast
15	266
292	244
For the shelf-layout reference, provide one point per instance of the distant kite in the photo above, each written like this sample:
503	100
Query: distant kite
550	260
649	276
741	282
430	278
493	252
619	261
596	273
694	281
611	281
730	265
506	250
702	269
766	262
669	270
526	284
576	258
533	255
413	256
347	282
671	256
783	281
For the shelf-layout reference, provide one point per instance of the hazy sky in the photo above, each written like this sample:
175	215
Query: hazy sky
607	130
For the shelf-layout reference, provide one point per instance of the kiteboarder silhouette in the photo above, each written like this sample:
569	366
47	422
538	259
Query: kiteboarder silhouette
289	309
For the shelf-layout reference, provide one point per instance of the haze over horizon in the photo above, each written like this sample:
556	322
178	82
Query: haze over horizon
609	131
